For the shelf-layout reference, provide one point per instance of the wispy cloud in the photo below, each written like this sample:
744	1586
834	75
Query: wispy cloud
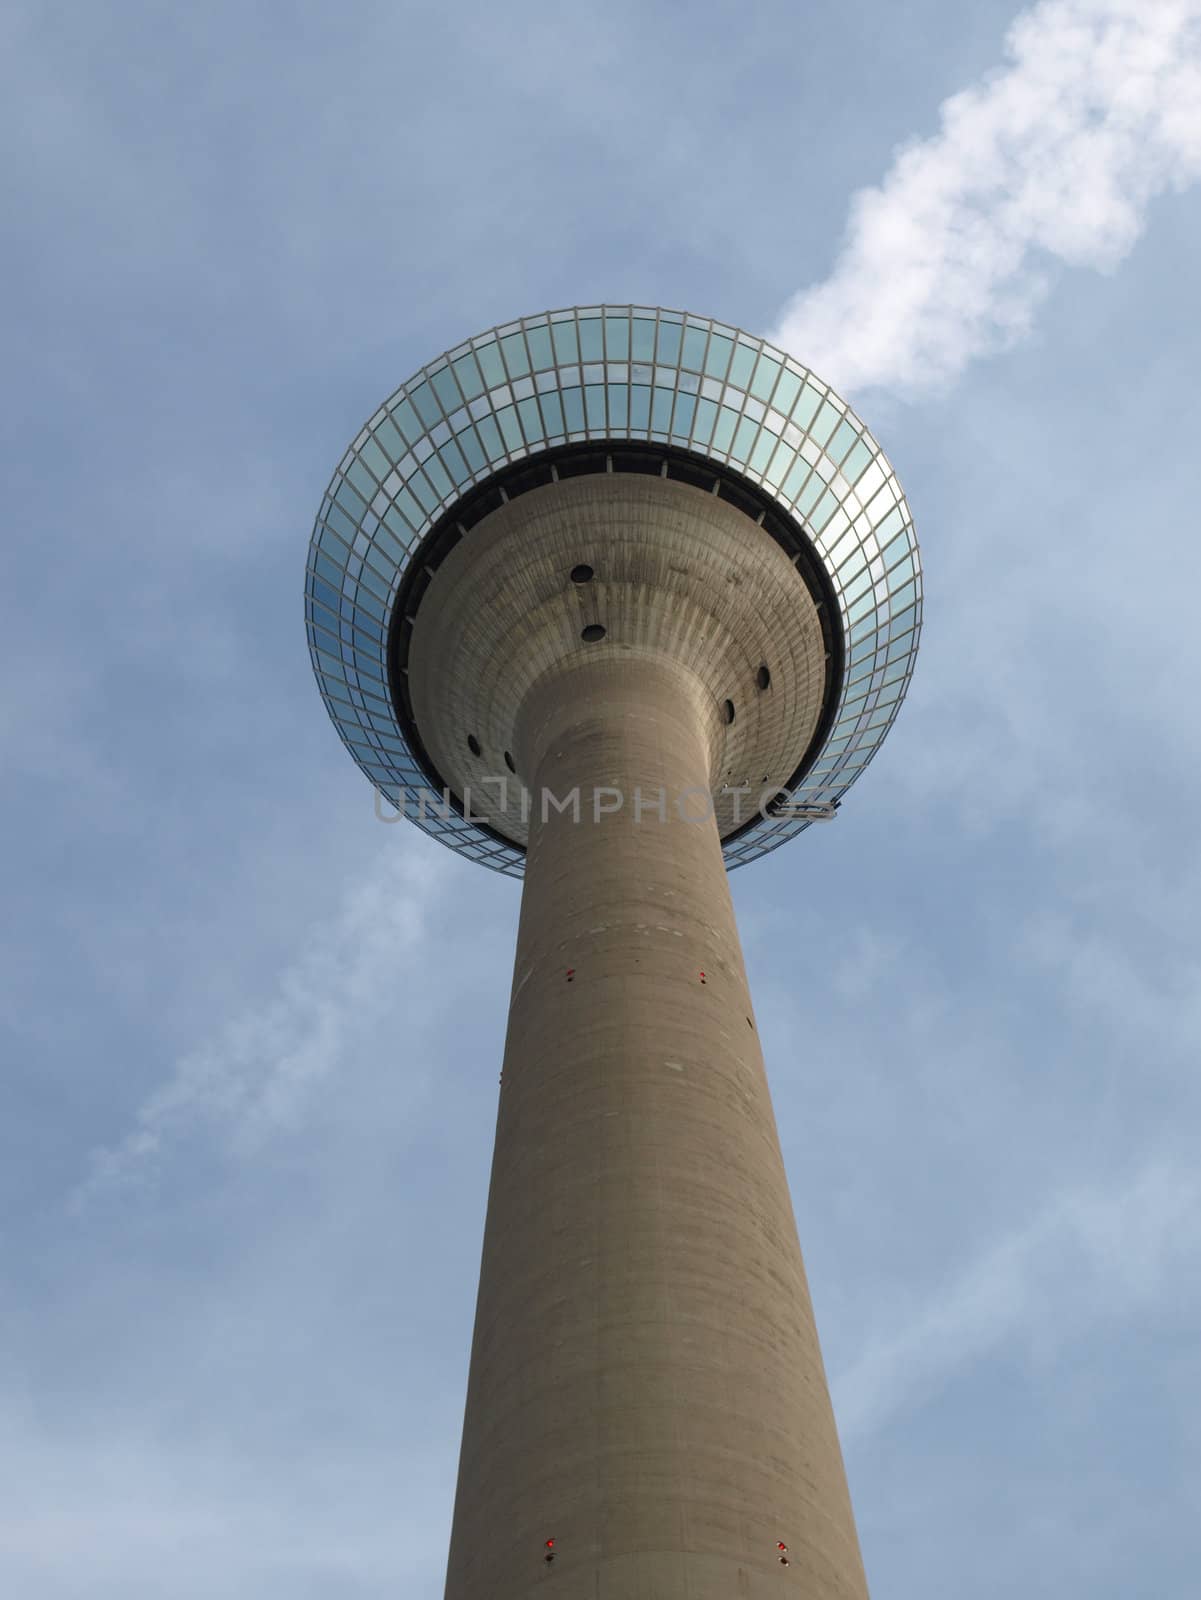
1052	159
1092	1253
255	1077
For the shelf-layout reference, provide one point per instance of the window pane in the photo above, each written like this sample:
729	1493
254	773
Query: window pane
642	347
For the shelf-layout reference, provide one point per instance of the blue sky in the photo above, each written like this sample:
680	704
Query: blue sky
250	1036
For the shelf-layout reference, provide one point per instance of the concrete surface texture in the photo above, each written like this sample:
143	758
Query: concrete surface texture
646	1387
677	574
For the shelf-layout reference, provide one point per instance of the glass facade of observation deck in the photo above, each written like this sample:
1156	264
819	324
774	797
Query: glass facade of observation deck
595	374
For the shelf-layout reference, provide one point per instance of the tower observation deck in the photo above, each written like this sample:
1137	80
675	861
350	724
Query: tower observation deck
614	599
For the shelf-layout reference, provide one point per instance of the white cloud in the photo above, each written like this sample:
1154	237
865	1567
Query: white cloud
256	1076
1093	1253
1054	158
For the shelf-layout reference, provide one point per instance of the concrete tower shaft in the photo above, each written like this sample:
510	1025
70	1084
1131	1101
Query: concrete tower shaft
646	1386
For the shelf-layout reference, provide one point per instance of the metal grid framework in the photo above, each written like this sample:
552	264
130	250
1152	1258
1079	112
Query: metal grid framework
598	373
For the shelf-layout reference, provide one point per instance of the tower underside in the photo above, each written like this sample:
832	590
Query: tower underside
646	1387
655	569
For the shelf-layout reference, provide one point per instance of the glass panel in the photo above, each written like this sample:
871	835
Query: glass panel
506	418
391	549
845	436
538	340
727	421
452	460
787	390
718	358
357	474
741	366
856	461
591	346
567	346
762	452
331	548
341	523
780	463
594	399
661	410
642	347
681	422
669	344
886	525
405	419
408	508
810	494
333	669
640	409
791	486
901	647
469	444
397	526
894	549
426	405
617	338
368	603
619	407
374	582
438	476
329	571
766	373
706	416
853	589
468	373
807	403
375	459
490	438
447	390
552	414
694	349
573	409
351	503
516	359
320	639
390	440
325	594
531	419
824	423
744	438
491	365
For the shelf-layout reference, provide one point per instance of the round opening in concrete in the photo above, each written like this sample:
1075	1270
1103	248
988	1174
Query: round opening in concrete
763	678
592	633
727	711
582	574
473	744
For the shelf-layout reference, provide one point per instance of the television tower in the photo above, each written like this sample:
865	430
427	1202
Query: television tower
614	599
